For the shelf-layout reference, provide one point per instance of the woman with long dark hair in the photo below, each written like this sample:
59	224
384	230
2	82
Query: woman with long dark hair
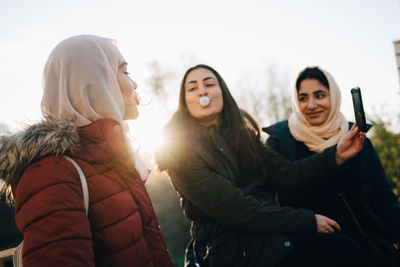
226	179
360	199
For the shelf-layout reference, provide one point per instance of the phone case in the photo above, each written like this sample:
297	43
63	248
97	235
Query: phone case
359	109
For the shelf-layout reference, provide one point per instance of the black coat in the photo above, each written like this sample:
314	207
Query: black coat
362	185
219	197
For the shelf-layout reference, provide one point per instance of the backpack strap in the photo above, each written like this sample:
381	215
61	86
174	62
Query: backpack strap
83	182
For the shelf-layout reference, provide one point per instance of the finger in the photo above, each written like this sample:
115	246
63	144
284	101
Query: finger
360	140
329	229
353	131
336	226
353	126
333	223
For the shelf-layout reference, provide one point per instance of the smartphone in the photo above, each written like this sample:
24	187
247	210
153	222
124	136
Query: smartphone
359	109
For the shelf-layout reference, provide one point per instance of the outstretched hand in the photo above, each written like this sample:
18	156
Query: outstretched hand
349	145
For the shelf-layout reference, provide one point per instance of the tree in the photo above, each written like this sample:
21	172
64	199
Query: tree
164	82
266	95
387	145
174	224
158	80
4	129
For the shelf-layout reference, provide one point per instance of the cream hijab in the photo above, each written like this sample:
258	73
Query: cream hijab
317	138
80	84
80	81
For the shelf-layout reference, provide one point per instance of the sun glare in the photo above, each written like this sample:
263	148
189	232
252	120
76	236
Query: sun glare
147	130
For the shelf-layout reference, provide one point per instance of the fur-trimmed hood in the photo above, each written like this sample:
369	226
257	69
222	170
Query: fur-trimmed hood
48	137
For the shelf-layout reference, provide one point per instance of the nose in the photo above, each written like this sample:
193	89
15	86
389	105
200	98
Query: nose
202	90
311	104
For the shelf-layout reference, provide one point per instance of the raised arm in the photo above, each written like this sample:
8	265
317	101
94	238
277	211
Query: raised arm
310	170
349	145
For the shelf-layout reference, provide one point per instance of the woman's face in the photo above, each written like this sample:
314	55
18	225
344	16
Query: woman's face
202	82
314	101
128	87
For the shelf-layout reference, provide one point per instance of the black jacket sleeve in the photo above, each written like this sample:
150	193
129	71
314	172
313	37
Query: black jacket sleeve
221	200
284	173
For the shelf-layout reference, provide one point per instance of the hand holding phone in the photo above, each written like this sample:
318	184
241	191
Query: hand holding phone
359	109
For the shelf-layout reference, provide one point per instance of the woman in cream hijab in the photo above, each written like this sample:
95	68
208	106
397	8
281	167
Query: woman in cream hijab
87	97
362	200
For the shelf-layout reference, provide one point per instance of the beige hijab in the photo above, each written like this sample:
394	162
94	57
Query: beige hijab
317	138
80	81
80	84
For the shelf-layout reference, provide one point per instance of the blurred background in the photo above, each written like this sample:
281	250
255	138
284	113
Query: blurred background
258	46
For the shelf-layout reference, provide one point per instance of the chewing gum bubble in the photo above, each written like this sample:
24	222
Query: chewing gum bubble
204	101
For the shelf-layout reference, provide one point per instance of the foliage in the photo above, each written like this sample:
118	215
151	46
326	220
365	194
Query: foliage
173	223
159	78
266	95
387	145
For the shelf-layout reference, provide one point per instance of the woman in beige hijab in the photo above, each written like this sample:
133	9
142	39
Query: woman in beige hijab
87	97
361	199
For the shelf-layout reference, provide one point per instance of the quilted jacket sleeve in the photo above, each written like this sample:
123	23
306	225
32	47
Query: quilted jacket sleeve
51	215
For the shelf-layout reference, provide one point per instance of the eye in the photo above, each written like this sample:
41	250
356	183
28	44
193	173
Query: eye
319	96
302	98
210	84
191	89
127	73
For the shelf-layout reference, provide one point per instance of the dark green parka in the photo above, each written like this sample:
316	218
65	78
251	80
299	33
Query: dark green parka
218	196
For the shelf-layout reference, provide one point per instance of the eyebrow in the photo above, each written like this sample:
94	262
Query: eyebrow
205	79
122	64
314	93
318	91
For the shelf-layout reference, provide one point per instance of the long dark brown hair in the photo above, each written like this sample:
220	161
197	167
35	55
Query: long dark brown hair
239	129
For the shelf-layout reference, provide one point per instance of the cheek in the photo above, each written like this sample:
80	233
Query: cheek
189	99
126	94
327	105
303	107
220	103
217	96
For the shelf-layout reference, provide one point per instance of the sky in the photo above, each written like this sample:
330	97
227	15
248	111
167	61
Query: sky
353	40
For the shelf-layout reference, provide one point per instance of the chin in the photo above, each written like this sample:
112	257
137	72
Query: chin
316	123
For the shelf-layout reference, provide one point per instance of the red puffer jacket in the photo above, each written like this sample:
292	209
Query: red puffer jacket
121	228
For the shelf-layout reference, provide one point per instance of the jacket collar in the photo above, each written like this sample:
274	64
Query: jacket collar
48	137
101	141
212	133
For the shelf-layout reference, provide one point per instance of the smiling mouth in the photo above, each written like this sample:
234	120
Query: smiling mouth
314	114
